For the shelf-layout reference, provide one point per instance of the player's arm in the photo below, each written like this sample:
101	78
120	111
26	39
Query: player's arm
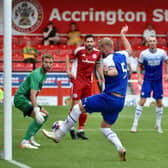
36	109
33	97
139	69
125	41
34	85
37	112
46	32
109	67
99	69
166	69
110	71
68	70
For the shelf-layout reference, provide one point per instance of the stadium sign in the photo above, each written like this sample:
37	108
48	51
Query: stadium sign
92	17
110	17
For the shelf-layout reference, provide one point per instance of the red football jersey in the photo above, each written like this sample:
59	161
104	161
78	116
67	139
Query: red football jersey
84	62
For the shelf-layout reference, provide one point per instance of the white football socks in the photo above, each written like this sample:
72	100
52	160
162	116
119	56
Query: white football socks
112	137
72	118
159	113
137	116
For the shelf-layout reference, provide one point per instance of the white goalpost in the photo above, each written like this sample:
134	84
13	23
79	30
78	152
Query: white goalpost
7	20
7	4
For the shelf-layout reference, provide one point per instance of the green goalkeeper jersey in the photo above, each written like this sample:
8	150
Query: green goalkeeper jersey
33	81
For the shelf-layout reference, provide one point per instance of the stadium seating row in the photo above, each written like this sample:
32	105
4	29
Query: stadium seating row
60	51
27	67
21	40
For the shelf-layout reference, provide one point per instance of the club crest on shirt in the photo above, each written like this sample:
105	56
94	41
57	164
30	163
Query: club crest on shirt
83	55
27	15
75	95
94	56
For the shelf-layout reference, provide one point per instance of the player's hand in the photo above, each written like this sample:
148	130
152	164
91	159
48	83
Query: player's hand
140	80
124	29
105	69
70	75
38	115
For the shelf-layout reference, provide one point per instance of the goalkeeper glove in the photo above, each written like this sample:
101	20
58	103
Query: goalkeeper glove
38	115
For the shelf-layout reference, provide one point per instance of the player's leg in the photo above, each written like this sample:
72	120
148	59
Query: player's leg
82	121
159	113
78	92
110	115
69	122
145	92
23	104
72	130
36	126
73	117
33	127
158	95
137	114
76	96
86	91
114	139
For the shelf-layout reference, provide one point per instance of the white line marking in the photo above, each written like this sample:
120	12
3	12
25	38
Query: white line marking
19	164
116	129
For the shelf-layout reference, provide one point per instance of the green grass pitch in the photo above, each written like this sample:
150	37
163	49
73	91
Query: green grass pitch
145	149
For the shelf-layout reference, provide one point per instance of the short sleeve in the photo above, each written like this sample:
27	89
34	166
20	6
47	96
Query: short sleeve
99	59
108	61
34	82
165	56
75	53
124	52
141	58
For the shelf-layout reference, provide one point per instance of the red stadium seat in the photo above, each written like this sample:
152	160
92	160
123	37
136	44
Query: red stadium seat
59	67
37	40
17	57
59	57
65	49
136	41
162	41
21	67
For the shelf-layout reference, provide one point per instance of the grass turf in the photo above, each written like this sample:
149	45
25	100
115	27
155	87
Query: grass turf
146	148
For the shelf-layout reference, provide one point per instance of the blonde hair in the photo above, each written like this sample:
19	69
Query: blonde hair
47	56
105	41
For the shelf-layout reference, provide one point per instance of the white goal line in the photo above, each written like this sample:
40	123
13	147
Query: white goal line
19	164
117	129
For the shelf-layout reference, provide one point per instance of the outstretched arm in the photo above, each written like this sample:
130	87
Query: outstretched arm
125	41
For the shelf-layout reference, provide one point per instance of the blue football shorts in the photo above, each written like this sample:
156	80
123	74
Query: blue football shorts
108	105
154	86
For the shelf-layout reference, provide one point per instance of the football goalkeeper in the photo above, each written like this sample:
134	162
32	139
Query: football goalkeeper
25	99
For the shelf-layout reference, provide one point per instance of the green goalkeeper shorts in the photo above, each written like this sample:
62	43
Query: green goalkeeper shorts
23	104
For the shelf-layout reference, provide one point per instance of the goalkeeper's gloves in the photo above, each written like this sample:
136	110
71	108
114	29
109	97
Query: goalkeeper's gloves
38	115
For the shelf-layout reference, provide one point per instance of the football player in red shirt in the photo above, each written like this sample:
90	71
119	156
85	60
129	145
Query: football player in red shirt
85	59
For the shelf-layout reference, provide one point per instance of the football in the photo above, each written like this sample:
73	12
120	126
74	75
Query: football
56	125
